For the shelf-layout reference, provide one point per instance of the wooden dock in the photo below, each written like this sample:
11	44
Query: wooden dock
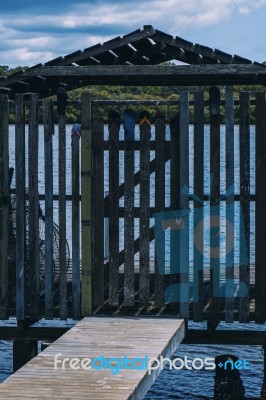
142	338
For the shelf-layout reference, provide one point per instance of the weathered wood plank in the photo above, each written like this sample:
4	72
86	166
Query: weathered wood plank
62	203
198	206
174	295
225	337
223	73
111	338
229	273
4	205
244	232
129	292
114	127
260	212
86	205
136	146
214	206
48	123
160	129
75	171
144	218
184	204
98	204
20	208
34	258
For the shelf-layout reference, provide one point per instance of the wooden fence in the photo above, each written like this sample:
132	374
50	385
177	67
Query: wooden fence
159	210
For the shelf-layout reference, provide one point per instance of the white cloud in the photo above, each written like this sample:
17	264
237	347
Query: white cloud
244	10
35	42
24	56
177	17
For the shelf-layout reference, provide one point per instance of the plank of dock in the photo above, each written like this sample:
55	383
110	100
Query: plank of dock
94	337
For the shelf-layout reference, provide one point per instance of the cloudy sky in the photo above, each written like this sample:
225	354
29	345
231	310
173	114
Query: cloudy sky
34	31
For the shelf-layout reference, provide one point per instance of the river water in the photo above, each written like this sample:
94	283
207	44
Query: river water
174	384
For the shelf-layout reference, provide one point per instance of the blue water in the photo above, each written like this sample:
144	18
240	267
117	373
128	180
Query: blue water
183	384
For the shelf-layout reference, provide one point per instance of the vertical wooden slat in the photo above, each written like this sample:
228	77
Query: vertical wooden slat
244	232
260	213
229	245
129	298
4	204
62	212
160	128
214	206
114	127
184	203
48	166
86	206
34	258
144	219
174	295
75	224
198	230
20	208
98	214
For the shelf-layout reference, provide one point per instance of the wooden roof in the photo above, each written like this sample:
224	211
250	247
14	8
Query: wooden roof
128	60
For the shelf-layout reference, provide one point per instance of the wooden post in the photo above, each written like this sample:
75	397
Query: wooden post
160	129
244	231
20	208
144	204
260	214
129	292
98	212
61	108
184	203
34	259
175	207
48	166
198	230
229	272
23	351
75	225
86	206
114	127
214	206
4	205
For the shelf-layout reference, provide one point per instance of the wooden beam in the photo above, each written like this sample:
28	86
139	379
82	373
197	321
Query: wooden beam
31	333
145	75
222	337
131	70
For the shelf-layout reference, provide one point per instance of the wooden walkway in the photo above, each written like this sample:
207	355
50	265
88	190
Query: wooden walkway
96	337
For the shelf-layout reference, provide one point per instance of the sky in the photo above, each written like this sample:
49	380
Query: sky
36	31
